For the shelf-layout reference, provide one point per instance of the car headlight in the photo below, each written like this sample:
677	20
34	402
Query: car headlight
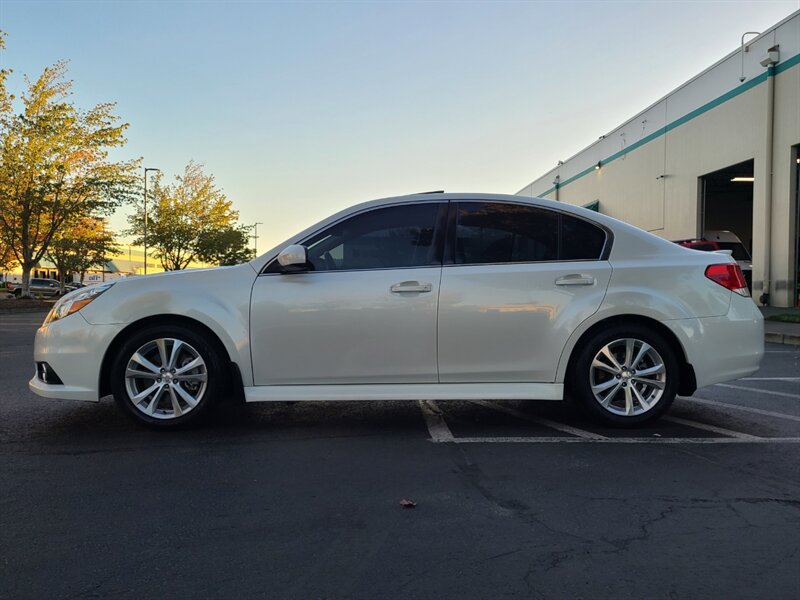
74	301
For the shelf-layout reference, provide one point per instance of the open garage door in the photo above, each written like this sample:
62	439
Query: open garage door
727	212
796	191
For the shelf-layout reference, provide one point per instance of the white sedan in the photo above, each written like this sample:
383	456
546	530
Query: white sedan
435	296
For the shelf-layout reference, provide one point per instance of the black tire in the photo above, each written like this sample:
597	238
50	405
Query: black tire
216	382
581	376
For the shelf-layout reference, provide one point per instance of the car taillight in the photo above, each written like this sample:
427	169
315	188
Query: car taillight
729	276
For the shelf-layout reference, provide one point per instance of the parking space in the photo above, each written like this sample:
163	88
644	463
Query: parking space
687	423
513	499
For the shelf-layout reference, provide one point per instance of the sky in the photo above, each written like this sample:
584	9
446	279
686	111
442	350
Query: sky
300	109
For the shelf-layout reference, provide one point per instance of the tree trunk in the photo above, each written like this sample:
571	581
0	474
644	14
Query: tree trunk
26	280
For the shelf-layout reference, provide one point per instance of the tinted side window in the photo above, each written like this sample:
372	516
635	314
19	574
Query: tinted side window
501	233
384	238
580	240
489	232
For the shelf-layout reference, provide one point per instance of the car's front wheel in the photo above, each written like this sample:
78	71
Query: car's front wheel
625	375
167	376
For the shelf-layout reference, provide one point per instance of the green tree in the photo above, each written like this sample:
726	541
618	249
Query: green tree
84	242
54	165
225	246
190	219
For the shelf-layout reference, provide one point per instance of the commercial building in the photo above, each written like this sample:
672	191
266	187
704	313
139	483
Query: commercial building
129	261
721	152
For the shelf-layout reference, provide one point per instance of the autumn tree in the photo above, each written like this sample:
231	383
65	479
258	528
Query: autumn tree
54	164
7	260
190	219
5	97
81	244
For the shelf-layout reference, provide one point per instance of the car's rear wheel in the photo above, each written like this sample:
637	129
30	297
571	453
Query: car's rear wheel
168	376
625	375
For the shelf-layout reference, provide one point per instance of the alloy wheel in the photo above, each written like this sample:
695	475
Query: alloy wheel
627	377
166	378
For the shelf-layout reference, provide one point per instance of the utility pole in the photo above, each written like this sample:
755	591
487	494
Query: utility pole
103	260
146	169
255	238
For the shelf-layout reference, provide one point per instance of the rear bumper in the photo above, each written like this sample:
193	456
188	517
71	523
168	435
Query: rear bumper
723	348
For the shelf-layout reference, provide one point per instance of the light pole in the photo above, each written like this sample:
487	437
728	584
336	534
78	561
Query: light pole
146	169
255	238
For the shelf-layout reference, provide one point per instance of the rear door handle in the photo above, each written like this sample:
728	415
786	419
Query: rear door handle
575	279
407	287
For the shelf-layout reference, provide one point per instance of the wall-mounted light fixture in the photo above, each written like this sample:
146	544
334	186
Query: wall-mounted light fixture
743	179
746	48
773	56
598	166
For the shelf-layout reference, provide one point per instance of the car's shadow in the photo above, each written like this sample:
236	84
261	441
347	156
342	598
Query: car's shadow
94	426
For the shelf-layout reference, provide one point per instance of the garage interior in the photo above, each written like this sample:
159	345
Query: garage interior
727	201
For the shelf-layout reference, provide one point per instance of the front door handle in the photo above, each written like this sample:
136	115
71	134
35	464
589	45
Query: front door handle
575	279
407	287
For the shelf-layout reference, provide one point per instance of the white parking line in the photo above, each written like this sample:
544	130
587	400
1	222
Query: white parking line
770	379
437	427
622	440
707	427
757	411
441	433
749	389
541	421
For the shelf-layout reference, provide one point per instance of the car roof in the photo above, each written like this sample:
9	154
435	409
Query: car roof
638	239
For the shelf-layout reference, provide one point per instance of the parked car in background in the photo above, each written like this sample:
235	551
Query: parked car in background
431	296
40	287
699	244
72	286
715	240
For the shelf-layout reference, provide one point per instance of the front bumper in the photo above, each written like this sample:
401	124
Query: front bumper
74	349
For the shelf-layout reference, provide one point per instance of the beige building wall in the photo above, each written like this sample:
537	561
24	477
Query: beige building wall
656	186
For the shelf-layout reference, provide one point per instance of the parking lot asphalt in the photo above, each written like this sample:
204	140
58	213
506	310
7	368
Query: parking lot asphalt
513	499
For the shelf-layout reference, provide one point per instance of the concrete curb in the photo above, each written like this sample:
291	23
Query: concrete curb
790	339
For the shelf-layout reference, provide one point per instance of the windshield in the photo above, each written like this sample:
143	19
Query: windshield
739	251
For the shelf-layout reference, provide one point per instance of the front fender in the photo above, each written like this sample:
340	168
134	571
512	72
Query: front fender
217	298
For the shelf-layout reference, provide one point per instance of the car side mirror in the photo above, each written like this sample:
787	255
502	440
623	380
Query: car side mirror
293	259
